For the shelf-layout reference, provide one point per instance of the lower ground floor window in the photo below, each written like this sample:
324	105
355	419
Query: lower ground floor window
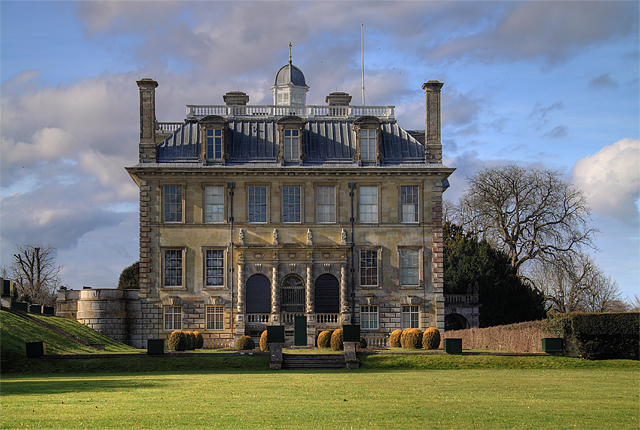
410	316
215	317
369	317
173	317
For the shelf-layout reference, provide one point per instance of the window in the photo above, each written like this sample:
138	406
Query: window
214	204
368	145
214	267
257	204
172	267
326	204
369	268
409	204
369	317
173	317
410	316
368	209
214	144
290	204
172	203
409	267
215	317
292	144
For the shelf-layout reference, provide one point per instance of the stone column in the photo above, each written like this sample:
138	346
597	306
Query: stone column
275	302
344	290
310	290
241	288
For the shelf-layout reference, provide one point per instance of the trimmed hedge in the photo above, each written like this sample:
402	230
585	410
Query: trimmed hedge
604	335
324	339
394	339
177	341
336	340
431	338
245	342
411	338
264	346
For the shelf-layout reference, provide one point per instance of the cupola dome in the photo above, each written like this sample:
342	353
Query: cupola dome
290	74
290	87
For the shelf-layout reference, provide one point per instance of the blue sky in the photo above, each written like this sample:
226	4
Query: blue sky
547	84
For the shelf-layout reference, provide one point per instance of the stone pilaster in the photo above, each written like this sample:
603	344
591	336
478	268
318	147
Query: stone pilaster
145	239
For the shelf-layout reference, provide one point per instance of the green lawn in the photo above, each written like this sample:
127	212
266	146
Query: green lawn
574	398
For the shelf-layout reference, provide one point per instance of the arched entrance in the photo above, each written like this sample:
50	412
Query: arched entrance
292	294
327	298
455	321
258	293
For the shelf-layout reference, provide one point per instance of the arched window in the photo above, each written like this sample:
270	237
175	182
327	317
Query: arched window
293	292
327	294
258	295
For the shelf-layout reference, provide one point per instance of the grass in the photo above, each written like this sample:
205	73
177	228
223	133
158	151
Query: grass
469	398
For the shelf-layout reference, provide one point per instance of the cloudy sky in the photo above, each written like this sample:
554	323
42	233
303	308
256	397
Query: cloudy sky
550	84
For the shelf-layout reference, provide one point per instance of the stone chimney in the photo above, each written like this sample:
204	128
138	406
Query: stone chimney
236	98
147	88
338	99
433	140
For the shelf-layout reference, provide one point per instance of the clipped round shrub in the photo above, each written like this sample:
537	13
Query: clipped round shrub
394	339
363	343
264	346
191	340
245	342
336	340
177	341
324	339
411	338
199	340
431	338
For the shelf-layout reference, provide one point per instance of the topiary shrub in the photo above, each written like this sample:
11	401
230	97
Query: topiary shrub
191	340
431	338
336	340
199	340
363	343
411	338
324	339
245	342
264	346
394	339
177	341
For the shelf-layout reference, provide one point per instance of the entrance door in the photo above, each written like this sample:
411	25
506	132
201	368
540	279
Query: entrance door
300	330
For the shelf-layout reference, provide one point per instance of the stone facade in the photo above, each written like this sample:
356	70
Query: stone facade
251	216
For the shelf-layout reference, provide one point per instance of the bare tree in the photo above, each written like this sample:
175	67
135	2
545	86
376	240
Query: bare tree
529	213
573	282
35	273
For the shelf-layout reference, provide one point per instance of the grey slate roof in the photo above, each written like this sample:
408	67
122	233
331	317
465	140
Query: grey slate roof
256	141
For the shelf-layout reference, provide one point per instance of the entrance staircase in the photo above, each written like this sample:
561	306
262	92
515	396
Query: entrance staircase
313	361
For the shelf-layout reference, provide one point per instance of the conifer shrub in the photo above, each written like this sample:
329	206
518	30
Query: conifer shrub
324	339
177	341
394	339
199	340
245	342
336	340
191	340
411	338
363	343
431	338
264	346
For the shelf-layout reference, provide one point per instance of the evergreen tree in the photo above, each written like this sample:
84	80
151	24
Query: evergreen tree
129	277
505	299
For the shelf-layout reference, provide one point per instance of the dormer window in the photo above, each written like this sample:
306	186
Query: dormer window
213	130
368	145
214	144
368	136
292	145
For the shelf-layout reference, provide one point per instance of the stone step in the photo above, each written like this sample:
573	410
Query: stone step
313	361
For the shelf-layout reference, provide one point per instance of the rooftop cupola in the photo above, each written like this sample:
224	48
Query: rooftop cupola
290	87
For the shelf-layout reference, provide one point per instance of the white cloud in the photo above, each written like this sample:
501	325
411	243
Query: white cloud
610	179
